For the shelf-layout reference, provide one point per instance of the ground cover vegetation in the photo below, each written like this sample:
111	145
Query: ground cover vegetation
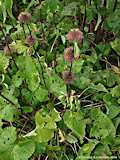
59	79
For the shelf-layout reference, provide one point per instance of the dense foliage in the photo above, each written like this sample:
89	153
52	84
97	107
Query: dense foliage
59	79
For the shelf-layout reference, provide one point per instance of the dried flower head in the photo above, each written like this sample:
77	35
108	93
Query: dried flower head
68	77
75	35
69	55
8	50
30	40
24	17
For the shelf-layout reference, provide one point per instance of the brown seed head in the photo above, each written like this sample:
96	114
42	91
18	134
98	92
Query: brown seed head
30	40
75	35
8	50
24	17
69	55
68	77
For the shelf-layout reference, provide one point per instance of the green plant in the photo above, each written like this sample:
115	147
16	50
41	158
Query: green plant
59	79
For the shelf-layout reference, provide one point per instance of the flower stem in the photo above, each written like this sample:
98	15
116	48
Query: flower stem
9	50
115	5
24	30
71	68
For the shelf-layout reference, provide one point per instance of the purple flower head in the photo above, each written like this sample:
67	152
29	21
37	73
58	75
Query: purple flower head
30	40
24	17
68	77
75	35
69	55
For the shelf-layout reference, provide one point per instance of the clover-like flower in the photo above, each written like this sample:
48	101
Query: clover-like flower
24	17
30	40
75	35
69	55
68	77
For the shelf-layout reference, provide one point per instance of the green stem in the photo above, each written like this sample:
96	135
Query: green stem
29	29
12	57
38	58
24	30
71	68
10	50
115	5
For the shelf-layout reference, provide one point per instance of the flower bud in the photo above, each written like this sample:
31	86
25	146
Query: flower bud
68	77
69	55
75	35
30	40
24	17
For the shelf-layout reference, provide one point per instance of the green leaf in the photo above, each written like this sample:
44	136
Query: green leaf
27	67
9	95
27	109
52	5
82	82
90	11
116	91
100	87
113	21
17	79
70	9
46	125
102	125
7	110
102	150
8	5
113	108
56	84
20	47
55	115
116	45
7	138
6	155
40	148
71	139
23	150
4	62
41	94
40	119
75	122
86	150
9	113
77	66
44	134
